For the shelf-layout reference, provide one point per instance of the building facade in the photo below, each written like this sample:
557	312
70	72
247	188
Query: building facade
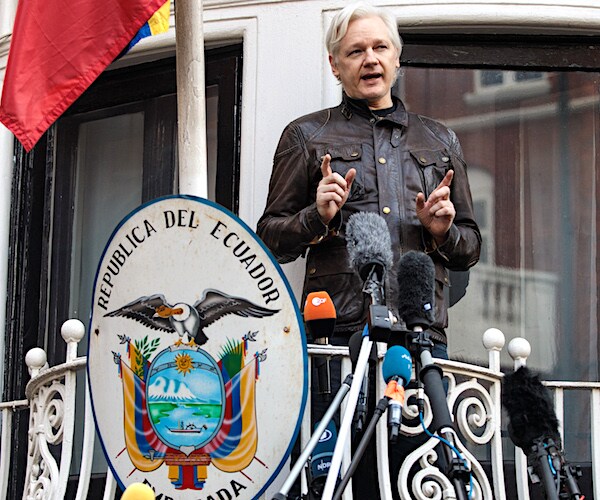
518	81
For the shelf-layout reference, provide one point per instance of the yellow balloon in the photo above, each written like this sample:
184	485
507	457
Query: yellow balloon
138	491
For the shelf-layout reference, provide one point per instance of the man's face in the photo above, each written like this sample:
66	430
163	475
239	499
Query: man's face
366	62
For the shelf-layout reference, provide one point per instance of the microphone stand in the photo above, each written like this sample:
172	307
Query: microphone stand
542	453
379	321
570	472
431	377
314	439
362	446
548	463
345	426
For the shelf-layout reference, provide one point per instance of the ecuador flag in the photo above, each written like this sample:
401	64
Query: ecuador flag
58	48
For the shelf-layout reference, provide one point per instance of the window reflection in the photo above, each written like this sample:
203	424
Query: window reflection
532	166
490	77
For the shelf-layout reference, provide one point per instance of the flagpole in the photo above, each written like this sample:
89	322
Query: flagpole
191	110
6	175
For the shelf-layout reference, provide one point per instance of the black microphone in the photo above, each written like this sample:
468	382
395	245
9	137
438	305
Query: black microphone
416	280
416	285
533	427
397	371
529	406
320	317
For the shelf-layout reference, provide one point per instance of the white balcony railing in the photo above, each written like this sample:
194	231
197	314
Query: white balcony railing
519	301
474	399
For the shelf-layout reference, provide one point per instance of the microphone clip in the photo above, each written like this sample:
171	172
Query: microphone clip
418	339
547	466
380	323
373	284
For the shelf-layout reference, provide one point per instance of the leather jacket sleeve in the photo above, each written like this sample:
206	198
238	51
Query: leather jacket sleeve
461	249
291	222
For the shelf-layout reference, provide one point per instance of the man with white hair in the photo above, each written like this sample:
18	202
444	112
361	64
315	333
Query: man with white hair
369	154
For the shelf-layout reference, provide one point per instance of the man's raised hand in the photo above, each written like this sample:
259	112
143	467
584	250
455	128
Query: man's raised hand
333	190
437	212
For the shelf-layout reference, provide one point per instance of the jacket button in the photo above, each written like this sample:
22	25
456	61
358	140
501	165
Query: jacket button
386	210
445	159
354	154
422	159
312	270
381	160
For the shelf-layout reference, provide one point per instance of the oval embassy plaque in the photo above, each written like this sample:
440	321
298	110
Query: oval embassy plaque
197	362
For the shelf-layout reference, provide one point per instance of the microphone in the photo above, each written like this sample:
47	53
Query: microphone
320	317
533	427
320	461
397	372
369	248
416	279
138	491
529	406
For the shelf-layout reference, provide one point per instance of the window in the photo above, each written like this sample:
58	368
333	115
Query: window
533	167
495	78
482	190
502	85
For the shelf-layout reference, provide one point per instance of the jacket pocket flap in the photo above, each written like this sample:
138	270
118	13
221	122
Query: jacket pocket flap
426	157
328	261
346	152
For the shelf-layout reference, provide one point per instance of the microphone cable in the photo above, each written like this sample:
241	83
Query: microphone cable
453	448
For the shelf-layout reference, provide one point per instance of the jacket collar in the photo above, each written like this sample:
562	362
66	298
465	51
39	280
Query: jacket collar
360	107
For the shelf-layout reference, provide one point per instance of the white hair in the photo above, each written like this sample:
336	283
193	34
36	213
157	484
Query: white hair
359	10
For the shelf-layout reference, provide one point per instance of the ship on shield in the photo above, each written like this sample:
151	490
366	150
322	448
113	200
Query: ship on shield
185	409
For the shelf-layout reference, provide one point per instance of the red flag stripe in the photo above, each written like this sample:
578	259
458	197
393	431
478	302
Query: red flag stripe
58	48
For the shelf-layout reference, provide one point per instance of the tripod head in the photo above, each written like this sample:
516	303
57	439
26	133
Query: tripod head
547	465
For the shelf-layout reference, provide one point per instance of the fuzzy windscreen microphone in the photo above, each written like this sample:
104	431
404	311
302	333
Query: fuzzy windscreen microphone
369	244
529	406
416	286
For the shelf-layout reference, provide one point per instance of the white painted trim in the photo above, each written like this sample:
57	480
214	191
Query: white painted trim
8	8
245	30
531	16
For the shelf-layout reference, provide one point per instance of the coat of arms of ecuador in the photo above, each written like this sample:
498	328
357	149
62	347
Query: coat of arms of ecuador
197	361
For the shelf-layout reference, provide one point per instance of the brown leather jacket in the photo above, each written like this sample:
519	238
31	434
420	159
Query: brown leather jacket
395	157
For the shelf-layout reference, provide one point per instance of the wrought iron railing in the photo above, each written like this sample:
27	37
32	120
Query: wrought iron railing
474	399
